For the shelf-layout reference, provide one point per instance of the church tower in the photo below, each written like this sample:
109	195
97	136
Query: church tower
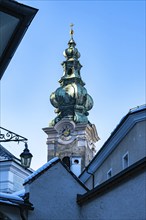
71	136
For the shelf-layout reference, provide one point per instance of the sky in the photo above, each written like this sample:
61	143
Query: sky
110	35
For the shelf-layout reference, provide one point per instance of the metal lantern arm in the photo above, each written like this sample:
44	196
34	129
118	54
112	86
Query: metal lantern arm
6	136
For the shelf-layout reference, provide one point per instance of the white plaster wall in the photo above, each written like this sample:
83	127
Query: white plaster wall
134	143
12	176
125	202
6	177
53	195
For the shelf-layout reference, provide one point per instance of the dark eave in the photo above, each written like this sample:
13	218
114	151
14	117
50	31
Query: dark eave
25	14
13	203
118	179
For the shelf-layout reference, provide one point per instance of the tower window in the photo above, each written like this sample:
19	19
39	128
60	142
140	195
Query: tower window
126	160
76	165
69	71
76	161
66	161
109	174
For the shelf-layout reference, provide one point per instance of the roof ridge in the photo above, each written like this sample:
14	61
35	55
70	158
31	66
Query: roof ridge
46	166
40	170
74	176
5	153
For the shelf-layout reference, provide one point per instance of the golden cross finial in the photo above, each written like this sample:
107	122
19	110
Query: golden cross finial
71	30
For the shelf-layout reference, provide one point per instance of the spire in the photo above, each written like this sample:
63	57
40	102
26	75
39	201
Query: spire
71	30
71	53
71	99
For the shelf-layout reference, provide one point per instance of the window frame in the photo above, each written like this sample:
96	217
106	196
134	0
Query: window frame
125	160
109	173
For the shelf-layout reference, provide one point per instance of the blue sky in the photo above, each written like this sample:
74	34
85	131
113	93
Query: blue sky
110	35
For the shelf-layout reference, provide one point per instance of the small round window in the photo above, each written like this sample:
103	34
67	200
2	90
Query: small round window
76	161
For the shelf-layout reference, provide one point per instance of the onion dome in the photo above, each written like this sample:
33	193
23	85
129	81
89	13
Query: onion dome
71	53
71	99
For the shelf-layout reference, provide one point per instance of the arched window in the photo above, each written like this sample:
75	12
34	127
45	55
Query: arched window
66	161
69	71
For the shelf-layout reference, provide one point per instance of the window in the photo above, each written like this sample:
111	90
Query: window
109	174
66	161
126	160
76	161
76	165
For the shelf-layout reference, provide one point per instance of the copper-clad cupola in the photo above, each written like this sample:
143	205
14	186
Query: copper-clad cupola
71	99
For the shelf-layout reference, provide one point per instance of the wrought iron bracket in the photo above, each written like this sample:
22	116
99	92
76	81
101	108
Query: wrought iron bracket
6	136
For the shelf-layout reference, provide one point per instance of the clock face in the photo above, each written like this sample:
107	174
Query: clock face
66	132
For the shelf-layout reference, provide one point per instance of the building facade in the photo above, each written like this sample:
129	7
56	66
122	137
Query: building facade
125	146
12	173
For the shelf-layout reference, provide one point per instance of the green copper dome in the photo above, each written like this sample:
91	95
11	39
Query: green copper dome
71	53
71	99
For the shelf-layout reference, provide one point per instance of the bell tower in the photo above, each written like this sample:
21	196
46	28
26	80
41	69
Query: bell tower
71	136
